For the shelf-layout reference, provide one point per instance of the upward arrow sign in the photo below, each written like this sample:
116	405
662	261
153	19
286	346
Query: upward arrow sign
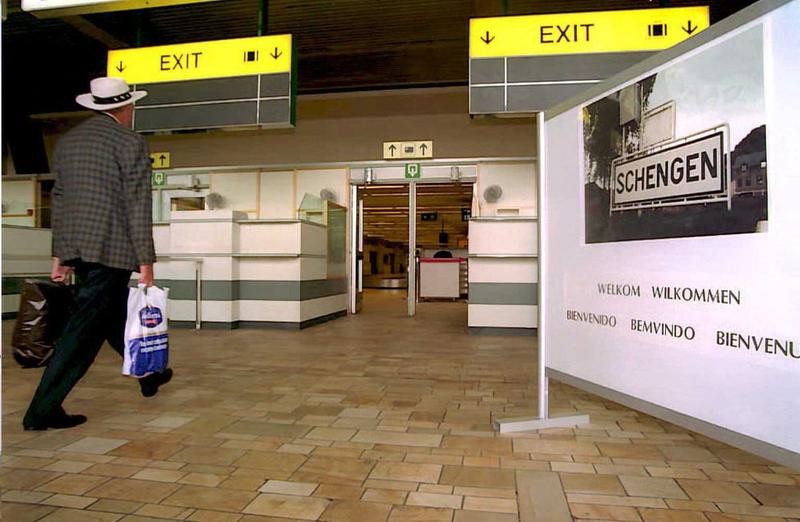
392	148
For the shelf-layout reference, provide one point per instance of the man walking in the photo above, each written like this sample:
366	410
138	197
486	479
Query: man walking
102	230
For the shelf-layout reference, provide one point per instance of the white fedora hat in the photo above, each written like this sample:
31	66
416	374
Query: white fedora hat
108	93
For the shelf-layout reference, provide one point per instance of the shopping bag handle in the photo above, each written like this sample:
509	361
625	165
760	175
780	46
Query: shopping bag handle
143	287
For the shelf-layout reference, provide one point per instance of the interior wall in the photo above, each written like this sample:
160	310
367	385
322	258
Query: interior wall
518	183
350	127
19	197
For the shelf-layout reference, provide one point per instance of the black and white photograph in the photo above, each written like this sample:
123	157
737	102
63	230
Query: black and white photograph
683	152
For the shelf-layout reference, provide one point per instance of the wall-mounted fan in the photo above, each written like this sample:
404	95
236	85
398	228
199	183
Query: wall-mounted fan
327	195
493	193
214	200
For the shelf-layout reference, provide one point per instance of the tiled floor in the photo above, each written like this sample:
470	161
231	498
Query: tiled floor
371	418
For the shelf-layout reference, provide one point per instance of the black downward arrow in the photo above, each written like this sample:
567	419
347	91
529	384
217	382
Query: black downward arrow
276	54
689	28
392	148
121	66
487	39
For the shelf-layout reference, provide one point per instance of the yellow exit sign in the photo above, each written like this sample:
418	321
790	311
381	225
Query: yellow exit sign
201	60
578	33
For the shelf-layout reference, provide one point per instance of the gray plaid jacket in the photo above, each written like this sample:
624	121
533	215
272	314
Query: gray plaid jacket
102	204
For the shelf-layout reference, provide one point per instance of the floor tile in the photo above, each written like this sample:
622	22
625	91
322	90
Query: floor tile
586	483
595	512
201	455
398	439
270	461
75	515
652	487
303	508
477	477
775	495
714	491
434	500
404	471
94	445
281	487
145	449
209	498
134	490
72	484
23	512
386	496
331	470
420	514
352	510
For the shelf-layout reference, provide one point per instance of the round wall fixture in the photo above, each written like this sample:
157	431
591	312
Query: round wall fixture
214	200
327	195
492	193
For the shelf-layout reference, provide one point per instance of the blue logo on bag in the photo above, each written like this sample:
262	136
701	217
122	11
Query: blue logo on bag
150	317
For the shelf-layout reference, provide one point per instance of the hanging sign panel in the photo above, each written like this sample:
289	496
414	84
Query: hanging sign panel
51	8
581	33
241	82
524	64
200	60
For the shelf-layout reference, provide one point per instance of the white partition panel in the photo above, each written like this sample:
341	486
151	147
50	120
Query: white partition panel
686	310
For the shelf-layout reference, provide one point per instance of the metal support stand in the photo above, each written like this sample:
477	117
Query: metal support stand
544	420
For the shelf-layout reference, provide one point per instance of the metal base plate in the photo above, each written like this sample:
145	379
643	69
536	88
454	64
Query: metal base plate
518	424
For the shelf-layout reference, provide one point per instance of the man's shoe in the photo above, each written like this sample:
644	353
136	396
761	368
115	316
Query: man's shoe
58	421
150	384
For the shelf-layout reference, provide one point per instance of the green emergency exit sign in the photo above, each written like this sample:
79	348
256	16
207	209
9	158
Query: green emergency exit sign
159	179
413	171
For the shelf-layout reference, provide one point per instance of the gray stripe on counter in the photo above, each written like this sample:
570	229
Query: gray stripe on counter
504	293
256	290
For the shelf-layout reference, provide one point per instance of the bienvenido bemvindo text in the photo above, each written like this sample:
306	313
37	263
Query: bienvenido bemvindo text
765	345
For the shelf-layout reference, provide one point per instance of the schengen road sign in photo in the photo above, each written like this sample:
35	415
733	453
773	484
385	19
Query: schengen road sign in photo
690	170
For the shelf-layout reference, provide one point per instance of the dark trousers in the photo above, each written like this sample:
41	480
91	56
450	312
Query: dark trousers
99	314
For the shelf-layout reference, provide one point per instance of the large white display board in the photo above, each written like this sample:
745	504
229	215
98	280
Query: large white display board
690	307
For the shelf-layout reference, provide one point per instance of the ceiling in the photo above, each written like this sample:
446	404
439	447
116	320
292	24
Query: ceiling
341	44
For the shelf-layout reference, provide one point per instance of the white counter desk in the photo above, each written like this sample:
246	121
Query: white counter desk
503	275
262	273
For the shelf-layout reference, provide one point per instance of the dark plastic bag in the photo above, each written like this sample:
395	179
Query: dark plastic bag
43	312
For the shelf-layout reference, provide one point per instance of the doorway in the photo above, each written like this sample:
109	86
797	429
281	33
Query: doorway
394	259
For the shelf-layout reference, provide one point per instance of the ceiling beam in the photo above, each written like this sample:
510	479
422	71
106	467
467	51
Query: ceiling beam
91	30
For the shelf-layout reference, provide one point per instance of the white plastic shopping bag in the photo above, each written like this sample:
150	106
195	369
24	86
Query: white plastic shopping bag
146	341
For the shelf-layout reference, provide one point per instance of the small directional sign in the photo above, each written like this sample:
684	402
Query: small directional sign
407	149
413	171
159	179
201	60
589	32
159	160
